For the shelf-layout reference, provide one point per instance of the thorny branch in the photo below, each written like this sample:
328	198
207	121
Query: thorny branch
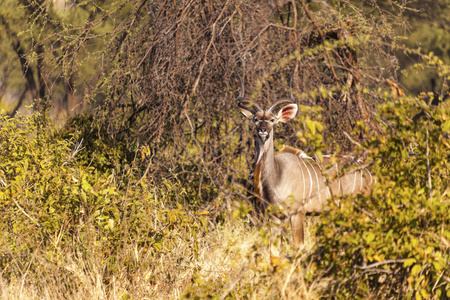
374	265
74	152
166	75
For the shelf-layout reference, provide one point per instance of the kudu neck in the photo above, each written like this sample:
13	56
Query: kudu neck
265	155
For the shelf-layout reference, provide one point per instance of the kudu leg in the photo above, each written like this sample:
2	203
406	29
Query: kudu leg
275	241
297	223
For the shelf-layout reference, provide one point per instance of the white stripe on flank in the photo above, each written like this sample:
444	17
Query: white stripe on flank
304	183
354	183
361	188
325	182
318	182
319	165
369	175
310	180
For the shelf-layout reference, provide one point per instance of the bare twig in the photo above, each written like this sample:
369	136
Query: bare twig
20	207
322	36
25	213
389	261
213	35
389	124
231	286
74	152
366	212
352	140
294	266
446	278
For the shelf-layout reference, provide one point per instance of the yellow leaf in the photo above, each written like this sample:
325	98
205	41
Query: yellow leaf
408	262
275	261
416	269
377	258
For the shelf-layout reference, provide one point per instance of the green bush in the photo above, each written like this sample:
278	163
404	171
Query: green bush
395	242
54	202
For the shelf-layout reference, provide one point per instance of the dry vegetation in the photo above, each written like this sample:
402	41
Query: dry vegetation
228	255
147	195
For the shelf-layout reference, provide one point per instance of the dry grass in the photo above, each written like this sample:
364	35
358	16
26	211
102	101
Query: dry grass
230	261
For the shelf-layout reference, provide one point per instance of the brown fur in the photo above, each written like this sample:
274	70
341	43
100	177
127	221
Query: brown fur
257	178
291	150
290	173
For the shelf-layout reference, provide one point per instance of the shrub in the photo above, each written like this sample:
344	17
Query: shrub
56	208
395	242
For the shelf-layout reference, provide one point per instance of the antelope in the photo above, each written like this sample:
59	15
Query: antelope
290	176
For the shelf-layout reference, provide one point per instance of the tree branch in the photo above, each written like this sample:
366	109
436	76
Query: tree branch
322	36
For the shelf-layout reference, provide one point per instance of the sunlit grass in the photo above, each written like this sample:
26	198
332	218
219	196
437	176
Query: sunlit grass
230	260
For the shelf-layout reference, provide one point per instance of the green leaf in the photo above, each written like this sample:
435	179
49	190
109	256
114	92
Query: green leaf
416	269
83	196
370	237
157	245
418	296
409	262
446	126
311	126
85	185
438	266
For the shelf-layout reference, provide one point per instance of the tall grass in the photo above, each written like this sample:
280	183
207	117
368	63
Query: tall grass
231	261
74	227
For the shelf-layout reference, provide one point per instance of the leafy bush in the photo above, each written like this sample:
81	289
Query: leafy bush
396	241
54	206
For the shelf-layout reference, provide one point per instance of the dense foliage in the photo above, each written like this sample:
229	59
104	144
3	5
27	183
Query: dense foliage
56	207
147	193
396	242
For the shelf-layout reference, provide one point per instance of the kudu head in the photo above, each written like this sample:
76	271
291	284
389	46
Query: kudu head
265	120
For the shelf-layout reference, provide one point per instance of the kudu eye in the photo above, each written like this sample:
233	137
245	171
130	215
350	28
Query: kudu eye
272	120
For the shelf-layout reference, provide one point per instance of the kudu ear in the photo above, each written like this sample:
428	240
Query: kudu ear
248	108
287	112
249	114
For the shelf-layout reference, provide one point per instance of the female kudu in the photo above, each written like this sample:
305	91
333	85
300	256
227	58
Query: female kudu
290	176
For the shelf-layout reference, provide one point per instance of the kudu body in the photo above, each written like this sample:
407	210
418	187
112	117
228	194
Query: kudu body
291	177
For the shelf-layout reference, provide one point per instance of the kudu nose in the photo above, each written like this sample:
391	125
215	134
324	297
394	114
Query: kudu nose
262	132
